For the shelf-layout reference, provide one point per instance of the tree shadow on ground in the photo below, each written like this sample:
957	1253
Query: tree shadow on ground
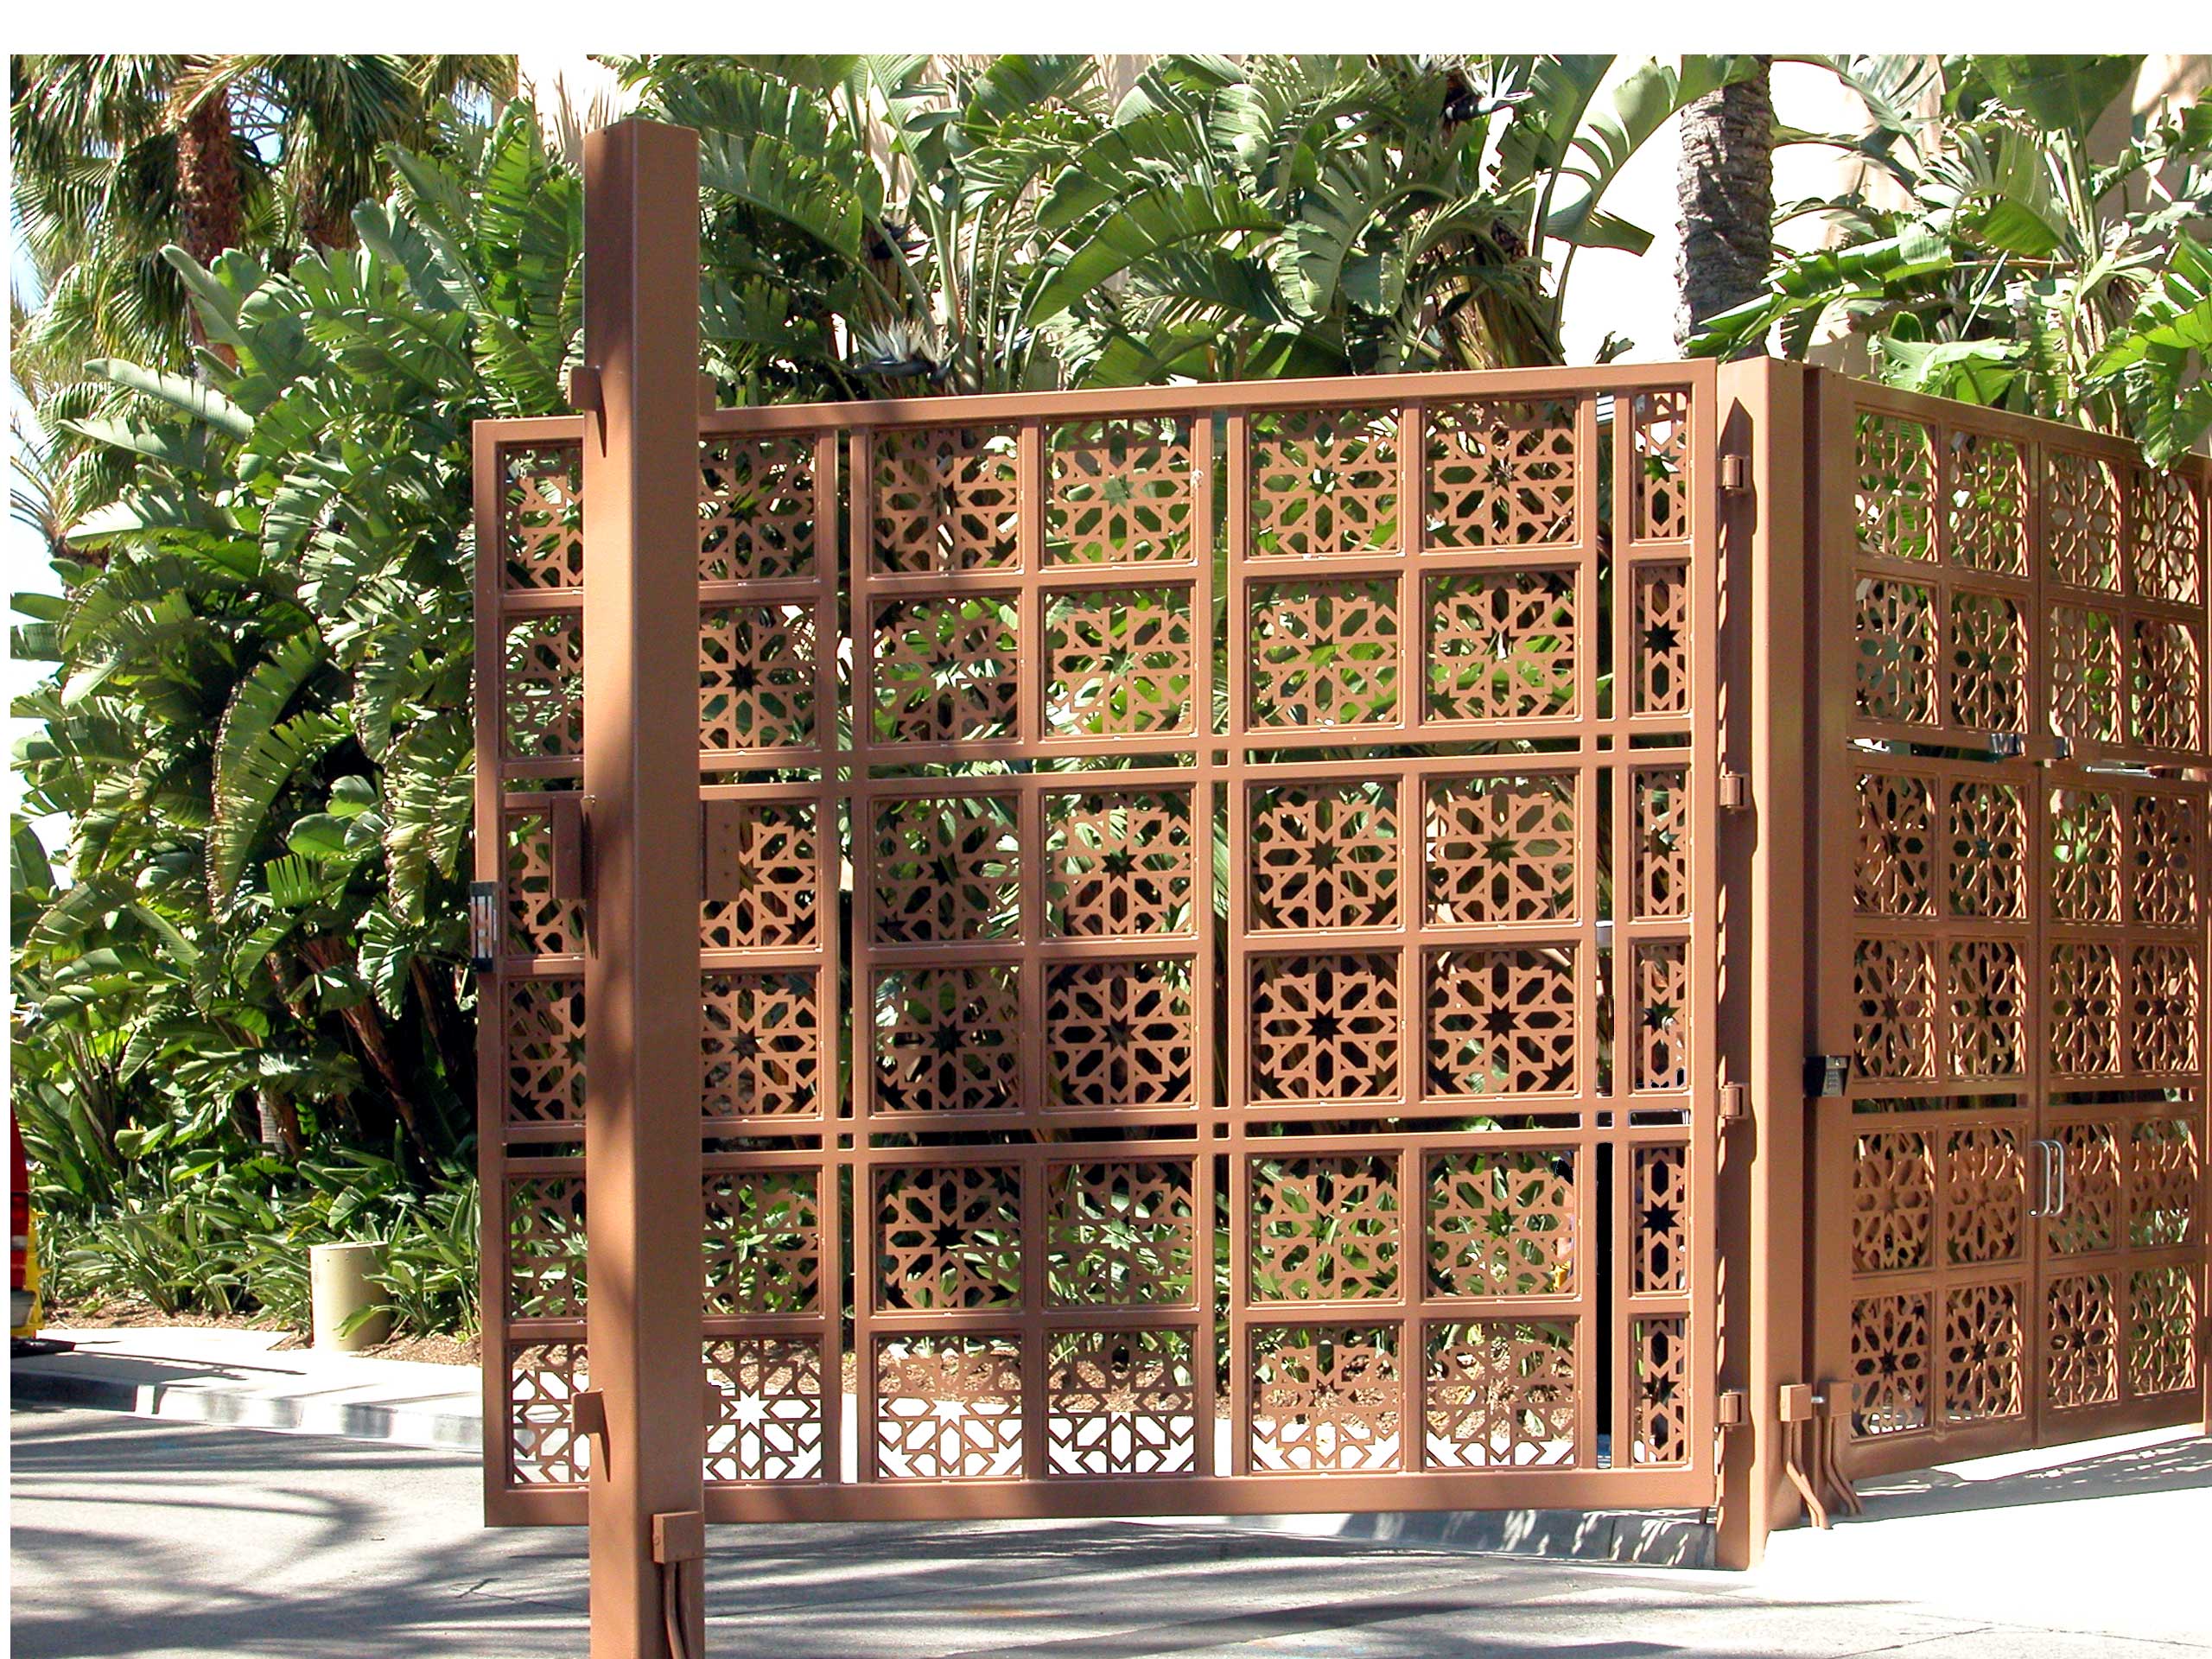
2177	1465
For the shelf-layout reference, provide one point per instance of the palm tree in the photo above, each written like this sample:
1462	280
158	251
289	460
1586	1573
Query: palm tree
118	155
1725	182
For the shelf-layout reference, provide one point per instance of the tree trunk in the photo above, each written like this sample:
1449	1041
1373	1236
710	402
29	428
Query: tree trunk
1724	183
325	222
280	1124
324	953
207	180
209	193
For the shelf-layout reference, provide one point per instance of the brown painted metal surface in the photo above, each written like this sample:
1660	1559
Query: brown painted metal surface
1179	950
1271	824
2010	1197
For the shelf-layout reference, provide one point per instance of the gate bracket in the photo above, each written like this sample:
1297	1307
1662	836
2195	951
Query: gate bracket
588	1406
571	830
680	1536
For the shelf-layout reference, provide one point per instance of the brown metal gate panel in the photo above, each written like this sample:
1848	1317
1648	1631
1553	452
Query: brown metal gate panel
2009	1199
1272	832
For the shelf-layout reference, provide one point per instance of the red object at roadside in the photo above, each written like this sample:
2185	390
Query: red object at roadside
23	1264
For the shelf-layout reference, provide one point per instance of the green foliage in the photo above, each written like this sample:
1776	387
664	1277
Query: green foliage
1011	227
243	1010
206	1237
257	723
2026	268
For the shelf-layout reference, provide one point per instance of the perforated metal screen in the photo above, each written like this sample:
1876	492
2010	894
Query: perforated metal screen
2013	1195
1210	952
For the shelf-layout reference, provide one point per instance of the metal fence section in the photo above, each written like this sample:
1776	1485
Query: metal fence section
1208	959
2010	1192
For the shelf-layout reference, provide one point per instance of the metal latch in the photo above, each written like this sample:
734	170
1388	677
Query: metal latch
484	926
1825	1075
680	1536
725	868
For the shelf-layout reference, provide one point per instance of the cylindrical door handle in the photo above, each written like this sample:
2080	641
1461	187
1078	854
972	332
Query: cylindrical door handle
2058	1160
2046	1182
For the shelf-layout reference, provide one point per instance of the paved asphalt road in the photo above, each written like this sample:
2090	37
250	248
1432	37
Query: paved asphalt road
165	1540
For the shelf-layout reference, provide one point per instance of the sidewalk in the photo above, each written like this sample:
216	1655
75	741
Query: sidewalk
238	1379
241	1379
2106	1539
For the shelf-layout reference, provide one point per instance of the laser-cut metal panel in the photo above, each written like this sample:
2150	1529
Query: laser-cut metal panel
1273	831
2021	1001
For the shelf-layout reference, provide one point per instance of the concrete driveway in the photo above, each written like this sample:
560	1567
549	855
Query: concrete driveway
167	1540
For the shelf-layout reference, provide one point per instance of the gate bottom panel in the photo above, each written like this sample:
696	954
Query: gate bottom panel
1079	1499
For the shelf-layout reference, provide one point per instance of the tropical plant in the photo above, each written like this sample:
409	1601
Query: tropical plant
2023	267
882	226
118	155
247	968
257	722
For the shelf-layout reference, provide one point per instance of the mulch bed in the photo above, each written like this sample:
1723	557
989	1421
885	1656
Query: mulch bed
434	1350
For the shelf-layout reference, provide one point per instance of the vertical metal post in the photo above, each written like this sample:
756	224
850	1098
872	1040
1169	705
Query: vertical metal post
641	970
1764	1189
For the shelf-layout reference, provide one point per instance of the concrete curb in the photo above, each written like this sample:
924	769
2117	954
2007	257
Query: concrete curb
246	1407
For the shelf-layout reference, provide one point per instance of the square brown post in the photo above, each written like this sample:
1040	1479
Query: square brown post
1763	1190
641	970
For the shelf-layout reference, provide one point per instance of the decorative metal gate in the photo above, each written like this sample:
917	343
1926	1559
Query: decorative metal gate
1208	960
2011	1194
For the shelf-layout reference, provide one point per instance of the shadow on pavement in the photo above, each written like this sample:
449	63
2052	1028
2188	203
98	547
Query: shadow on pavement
134	1537
2173	1467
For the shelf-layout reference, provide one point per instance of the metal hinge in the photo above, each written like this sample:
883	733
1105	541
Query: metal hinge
585	392
1735	790
1735	1104
1794	1402
1735	475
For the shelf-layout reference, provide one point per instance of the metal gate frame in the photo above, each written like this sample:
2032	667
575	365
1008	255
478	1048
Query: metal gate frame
697	814
2012	637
